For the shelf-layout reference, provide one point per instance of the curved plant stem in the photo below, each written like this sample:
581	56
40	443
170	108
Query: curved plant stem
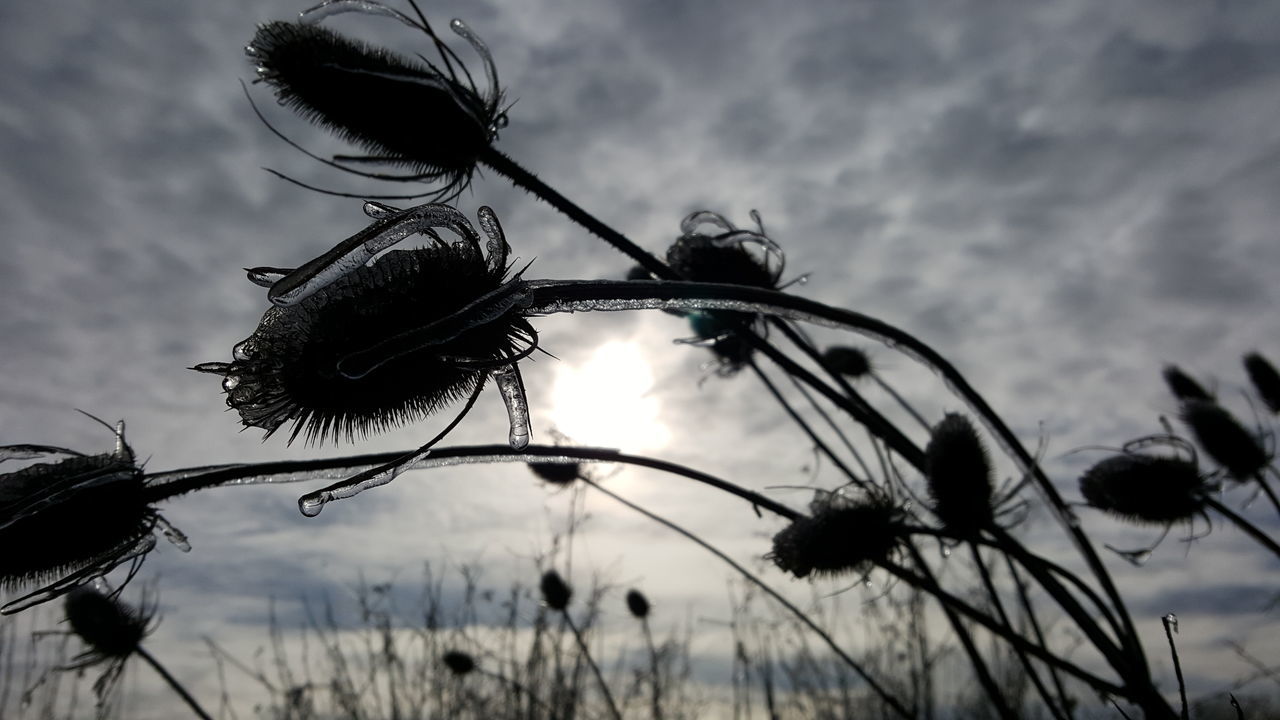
301	470
888	699
173	682
1252	530
813	437
591	662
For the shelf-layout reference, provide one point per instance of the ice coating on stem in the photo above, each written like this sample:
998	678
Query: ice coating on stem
511	386
31	452
312	503
173	534
491	70
329	8
266	276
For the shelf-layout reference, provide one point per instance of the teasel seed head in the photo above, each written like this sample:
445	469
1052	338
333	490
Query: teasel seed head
638	604
1265	380
1224	439
1145	488
556	473
839	538
851	362
555	592
458	662
958	473
107	626
1183	386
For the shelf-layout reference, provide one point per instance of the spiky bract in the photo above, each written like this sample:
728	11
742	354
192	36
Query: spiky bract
1145	488
839	539
958	473
288	369
1224	439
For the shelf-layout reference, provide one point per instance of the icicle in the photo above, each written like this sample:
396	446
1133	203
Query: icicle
312	503
173	534
512	388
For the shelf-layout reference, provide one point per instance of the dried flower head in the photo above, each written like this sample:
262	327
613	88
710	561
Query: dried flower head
1265	380
638	604
848	361
112	632
296	367
721	256
555	592
405	112
1183	386
958	473
458	662
840	537
73	519
1146	488
1224	439
557	473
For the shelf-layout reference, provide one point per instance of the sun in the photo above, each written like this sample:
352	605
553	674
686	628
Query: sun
605	401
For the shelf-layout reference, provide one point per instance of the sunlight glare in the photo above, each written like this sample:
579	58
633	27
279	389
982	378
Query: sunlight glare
604	401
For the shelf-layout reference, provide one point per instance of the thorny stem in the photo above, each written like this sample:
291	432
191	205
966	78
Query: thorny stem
654	671
1030	612
888	699
173	682
1169	627
522	178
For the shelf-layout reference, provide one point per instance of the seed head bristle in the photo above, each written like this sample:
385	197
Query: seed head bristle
1183	386
638	604
109	627
839	539
1265	380
1145	488
458	662
958	473
1224	439
851	362
555	592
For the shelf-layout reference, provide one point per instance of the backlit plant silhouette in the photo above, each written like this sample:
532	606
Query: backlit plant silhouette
372	334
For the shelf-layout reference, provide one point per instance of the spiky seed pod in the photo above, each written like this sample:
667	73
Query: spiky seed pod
839	539
1145	488
1265	380
458	662
556	473
638	604
76	517
287	370
1183	386
848	361
958	473
403	111
1224	439
555	592
111	629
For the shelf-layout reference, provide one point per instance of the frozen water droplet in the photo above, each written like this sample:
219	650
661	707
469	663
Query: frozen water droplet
312	503
946	552
242	351
377	210
1171	621
173	534
230	383
250	50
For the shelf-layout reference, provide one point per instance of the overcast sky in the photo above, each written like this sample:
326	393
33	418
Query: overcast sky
1061	198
